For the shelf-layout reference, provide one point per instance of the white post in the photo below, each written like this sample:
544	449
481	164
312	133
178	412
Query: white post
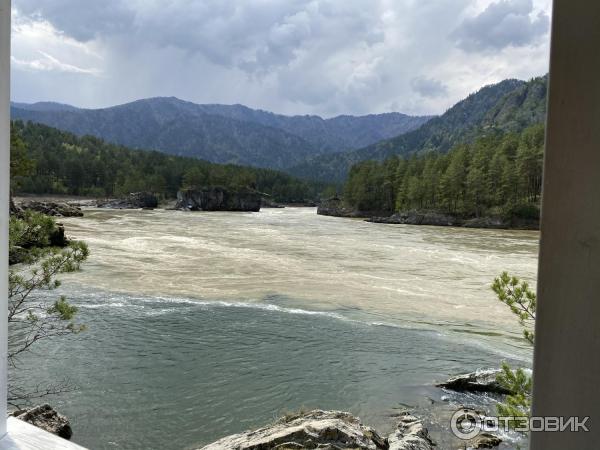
567	339
4	198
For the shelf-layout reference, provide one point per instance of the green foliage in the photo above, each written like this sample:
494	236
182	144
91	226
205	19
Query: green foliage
66	164
517	404
520	299
31	319
32	230
20	164
496	174
522	302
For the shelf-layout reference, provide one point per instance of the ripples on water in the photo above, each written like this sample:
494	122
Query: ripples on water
201	325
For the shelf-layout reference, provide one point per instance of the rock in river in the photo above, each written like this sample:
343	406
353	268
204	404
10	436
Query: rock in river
135	200
335	207
482	380
218	199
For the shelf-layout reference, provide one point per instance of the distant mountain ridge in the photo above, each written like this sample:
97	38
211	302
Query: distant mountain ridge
220	133
511	105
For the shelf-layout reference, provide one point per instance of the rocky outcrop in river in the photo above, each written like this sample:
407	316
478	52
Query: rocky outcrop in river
335	207
327	430
483	380
218	199
46	418
56	209
135	200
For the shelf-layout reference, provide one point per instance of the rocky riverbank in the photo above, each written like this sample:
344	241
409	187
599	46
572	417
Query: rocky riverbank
328	430
336	207
49	208
342	430
439	219
72	206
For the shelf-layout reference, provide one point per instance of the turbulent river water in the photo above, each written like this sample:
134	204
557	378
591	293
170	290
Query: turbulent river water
206	324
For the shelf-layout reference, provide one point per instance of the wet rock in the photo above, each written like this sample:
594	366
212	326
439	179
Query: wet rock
335	207
410	435
484	440
58	238
46	418
418	218
482	380
486	222
314	429
57	209
135	200
218	199
268	203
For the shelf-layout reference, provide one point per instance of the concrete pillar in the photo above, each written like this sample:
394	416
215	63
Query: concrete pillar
567	347
4	196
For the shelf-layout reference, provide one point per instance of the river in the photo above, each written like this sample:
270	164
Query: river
205	324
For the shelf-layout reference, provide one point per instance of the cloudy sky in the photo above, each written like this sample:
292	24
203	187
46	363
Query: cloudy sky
323	57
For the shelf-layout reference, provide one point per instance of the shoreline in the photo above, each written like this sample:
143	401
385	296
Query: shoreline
433	218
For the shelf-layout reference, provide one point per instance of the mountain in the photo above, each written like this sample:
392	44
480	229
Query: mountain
328	135
44	106
508	106
220	133
73	165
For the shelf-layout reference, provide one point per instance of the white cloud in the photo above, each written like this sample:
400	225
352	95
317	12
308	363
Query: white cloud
501	24
49	63
38	46
293	56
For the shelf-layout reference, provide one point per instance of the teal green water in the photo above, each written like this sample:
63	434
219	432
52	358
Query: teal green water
204	325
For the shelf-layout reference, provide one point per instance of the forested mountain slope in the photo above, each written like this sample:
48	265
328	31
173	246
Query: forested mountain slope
59	162
220	133
511	105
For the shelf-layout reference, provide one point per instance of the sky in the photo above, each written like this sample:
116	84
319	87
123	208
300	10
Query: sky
324	57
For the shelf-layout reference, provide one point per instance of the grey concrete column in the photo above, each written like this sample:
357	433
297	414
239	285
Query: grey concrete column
4	195
567	347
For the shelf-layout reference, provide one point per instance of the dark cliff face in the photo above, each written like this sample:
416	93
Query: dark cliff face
218	199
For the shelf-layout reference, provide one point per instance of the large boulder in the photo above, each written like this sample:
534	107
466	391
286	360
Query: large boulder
484	440
46	418
482	380
335	207
315	429
135	200
410	435
218	199
57	209
268	203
